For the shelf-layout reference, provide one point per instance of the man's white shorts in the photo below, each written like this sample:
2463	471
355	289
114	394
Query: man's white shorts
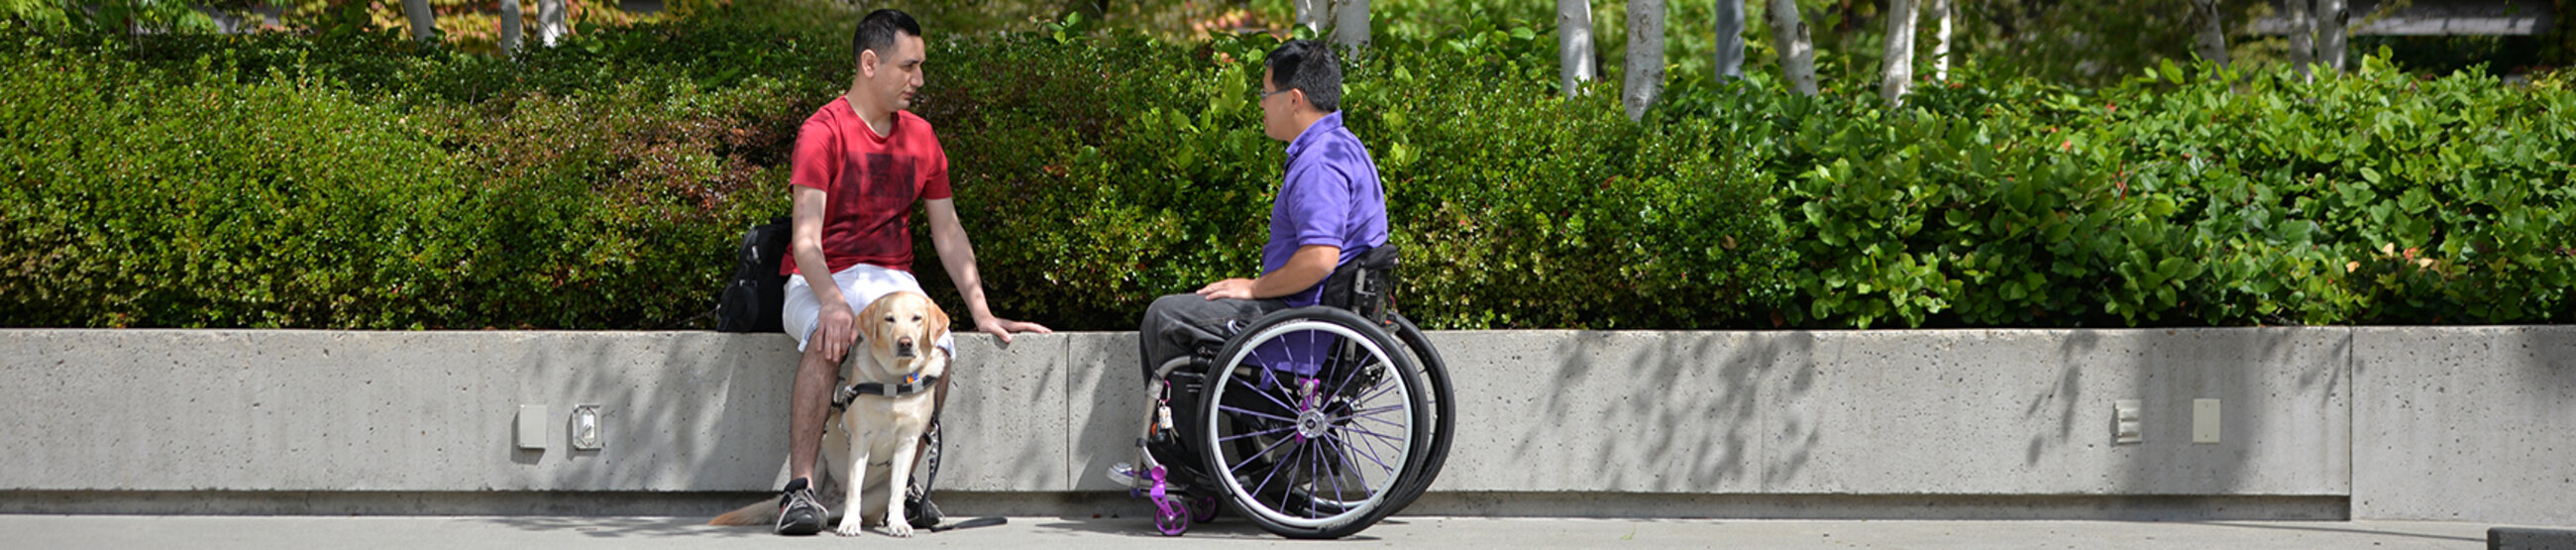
860	284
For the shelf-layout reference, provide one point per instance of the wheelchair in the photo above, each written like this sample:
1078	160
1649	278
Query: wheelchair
1312	422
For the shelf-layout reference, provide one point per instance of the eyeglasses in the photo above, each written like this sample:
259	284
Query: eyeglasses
1266	95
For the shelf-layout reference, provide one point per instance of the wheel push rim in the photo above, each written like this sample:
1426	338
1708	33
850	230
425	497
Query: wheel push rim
1343	442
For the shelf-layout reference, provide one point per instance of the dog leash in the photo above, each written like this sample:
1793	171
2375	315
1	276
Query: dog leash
970	524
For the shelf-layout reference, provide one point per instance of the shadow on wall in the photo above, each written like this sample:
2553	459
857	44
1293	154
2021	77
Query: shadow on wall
700	411
1678	412
2266	416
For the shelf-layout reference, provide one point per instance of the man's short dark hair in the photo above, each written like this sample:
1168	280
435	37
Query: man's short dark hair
877	32
1309	66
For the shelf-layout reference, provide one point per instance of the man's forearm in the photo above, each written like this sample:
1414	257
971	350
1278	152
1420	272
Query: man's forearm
957	254
818	274
1304	269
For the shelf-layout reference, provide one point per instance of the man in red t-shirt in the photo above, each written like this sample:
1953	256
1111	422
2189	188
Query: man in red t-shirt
860	163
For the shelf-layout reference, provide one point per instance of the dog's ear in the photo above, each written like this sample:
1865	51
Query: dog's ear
872	320
938	321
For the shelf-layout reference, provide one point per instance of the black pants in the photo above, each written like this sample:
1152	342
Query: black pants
1177	324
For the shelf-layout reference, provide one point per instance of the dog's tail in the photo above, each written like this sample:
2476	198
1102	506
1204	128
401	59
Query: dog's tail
757	513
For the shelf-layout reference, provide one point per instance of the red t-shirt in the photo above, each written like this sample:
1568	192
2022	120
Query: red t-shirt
869	183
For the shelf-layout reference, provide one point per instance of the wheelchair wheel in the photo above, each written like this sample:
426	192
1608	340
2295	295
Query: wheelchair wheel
1311	422
1444	417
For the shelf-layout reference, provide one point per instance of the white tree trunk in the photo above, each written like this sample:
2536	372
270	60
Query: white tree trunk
1797	52
1899	57
2331	21
2302	27
2209	33
550	22
1645	68
1351	23
423	25
1941	12
1575	63
1730	41
512	33
1310	14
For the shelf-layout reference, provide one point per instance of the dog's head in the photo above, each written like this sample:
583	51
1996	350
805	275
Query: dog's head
902	327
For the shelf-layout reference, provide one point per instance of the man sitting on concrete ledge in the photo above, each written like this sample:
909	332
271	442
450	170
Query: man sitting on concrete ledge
860	162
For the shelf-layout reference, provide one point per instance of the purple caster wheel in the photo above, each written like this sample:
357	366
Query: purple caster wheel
1171	517
1203	509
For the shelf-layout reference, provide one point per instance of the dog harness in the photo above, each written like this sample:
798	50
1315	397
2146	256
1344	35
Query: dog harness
913	384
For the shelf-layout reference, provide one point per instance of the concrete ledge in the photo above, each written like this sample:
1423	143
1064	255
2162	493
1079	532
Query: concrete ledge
2465	424
1119	504
1682	424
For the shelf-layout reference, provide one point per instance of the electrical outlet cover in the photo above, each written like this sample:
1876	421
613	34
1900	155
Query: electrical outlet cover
2204	421
532	426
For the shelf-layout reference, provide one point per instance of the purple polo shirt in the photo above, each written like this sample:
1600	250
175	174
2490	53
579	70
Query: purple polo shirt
1330	196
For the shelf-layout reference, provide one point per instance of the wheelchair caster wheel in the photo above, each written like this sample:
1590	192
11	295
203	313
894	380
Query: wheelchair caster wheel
1203	509
1171	517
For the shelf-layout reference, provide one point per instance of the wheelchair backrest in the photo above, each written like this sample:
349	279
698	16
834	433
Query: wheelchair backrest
1366	284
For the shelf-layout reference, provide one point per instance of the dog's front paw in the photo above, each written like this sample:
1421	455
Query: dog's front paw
850	527
898	528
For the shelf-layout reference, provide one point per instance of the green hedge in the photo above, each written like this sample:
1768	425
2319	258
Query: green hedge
367	182
167	194
2189	198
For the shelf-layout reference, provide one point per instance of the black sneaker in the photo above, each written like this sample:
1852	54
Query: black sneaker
919	512
798	513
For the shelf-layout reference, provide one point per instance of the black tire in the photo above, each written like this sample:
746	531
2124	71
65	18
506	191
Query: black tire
1444	410
1342	427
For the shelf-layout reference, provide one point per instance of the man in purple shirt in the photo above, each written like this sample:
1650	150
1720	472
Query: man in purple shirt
1330	208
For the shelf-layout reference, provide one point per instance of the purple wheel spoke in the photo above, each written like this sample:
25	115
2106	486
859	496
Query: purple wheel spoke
1275	468
1248	412
1371	411
1363	452
1369	433
1257	391
1371	447
1314	473
1388	442
1253	434
1331	458
1355	471
1380	391
1348	375
1255	456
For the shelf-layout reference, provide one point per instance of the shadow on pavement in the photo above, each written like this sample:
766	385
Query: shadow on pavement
1223	528
2322	529
622	527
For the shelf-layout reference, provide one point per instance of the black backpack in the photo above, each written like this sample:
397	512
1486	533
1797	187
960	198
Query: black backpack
751	301
1366	284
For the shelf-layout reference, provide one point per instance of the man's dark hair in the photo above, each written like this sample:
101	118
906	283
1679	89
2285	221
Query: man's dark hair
877	32
1309	66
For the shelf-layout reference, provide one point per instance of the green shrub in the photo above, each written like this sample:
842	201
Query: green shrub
353	181
2217	198
139	199
134	203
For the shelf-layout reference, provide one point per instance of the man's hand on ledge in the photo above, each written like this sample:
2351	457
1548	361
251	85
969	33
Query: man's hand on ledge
1002	328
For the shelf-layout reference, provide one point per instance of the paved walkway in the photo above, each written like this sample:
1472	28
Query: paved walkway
567	533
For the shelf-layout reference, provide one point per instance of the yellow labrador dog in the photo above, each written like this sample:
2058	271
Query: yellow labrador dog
891	393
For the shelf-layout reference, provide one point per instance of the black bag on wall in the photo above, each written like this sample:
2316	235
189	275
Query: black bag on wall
750	302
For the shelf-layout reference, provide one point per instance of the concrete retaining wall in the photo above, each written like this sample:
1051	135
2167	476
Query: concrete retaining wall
1982	423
